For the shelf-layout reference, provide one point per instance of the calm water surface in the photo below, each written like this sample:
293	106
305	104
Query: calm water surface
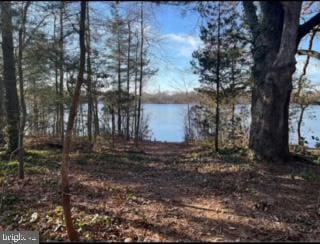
166	121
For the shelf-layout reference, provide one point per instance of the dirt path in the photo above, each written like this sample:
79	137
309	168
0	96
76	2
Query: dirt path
175	192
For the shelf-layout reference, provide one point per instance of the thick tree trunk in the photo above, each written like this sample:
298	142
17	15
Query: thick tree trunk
274	51
72	233
9	76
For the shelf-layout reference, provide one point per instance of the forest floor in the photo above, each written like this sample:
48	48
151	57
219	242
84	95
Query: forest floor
163	192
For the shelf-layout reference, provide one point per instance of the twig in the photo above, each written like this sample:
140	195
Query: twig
2	194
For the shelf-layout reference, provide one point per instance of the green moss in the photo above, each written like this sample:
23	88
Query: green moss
11	199
310	176
8	168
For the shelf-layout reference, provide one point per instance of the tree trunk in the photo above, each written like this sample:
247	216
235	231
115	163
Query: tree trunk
35	115
128	82
113	126
96	116
23	109
56	77
135	90
89	80
189	122
300	87
2	112
233	100
119	83
61	62
300	138
274	49
233	124
141	73
216	141
9	76
72	233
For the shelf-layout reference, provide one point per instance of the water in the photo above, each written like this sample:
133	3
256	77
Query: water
310	126
166	121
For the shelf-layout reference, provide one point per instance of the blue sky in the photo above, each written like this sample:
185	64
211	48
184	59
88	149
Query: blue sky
182	37
179	37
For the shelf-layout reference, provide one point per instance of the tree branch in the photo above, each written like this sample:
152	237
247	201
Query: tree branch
304	70
307	26
311	53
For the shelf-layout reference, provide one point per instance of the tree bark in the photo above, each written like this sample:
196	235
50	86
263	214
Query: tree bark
128	81
216	141
2	112
300	139
305	66
135	89
141	73
9	76
274	49
96	116
58	130
113	125
23	109
119	83
300	87
89	80
72	233
61	62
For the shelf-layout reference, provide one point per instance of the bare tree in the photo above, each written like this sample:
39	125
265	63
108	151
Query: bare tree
72	233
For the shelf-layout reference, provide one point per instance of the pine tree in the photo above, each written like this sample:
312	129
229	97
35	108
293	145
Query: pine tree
220	63
117	44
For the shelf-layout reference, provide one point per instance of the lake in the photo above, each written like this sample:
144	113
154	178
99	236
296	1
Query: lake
166	122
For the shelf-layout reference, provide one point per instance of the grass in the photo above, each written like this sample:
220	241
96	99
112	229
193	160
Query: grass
36	162
310	176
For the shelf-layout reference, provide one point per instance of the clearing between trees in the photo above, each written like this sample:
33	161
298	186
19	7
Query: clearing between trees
162	192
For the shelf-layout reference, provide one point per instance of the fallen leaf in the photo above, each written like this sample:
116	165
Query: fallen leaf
34	217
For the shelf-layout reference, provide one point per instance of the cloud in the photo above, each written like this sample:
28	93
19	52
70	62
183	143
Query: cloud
183	43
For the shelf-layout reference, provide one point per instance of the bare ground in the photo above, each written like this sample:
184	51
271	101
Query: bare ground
166	192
